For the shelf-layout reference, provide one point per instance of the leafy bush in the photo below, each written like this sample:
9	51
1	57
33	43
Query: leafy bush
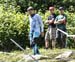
12	25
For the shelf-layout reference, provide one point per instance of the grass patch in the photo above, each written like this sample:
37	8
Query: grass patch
16	56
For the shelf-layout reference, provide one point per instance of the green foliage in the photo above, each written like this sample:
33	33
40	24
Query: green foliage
17	56
13	24
43	5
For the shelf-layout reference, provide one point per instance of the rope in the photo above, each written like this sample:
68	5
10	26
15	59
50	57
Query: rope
71	28
22	49
66	33
63	32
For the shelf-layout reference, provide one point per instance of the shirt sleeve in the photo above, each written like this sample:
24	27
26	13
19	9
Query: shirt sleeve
32	25
65	19
41	23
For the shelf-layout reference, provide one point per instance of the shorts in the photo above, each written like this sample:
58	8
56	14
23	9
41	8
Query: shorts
50	34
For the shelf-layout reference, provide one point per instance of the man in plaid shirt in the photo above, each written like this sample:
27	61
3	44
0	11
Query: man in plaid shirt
36	29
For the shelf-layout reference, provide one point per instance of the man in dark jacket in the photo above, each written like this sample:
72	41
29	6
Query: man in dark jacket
50	34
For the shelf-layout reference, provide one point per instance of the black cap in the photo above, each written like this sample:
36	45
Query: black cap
61	8
30	8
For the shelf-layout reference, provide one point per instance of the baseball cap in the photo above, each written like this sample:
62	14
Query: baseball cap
61	8
30	8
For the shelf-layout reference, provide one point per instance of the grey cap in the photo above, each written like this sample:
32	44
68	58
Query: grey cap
61	8
30	8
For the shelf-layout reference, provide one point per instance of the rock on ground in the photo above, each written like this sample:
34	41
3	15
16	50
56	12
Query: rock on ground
64	55
34	57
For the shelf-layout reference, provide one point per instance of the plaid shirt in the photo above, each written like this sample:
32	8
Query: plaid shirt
36	26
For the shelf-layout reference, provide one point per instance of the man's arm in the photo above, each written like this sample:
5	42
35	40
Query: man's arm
56	22
62	21
50	21
41	25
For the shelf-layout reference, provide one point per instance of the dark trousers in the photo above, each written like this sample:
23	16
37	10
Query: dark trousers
61	40
35	46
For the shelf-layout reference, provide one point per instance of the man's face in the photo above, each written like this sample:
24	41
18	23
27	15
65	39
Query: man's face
61	11
31	12
51	11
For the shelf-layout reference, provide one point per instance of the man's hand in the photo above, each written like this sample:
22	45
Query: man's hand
62	21
55	22
42	34
49	22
